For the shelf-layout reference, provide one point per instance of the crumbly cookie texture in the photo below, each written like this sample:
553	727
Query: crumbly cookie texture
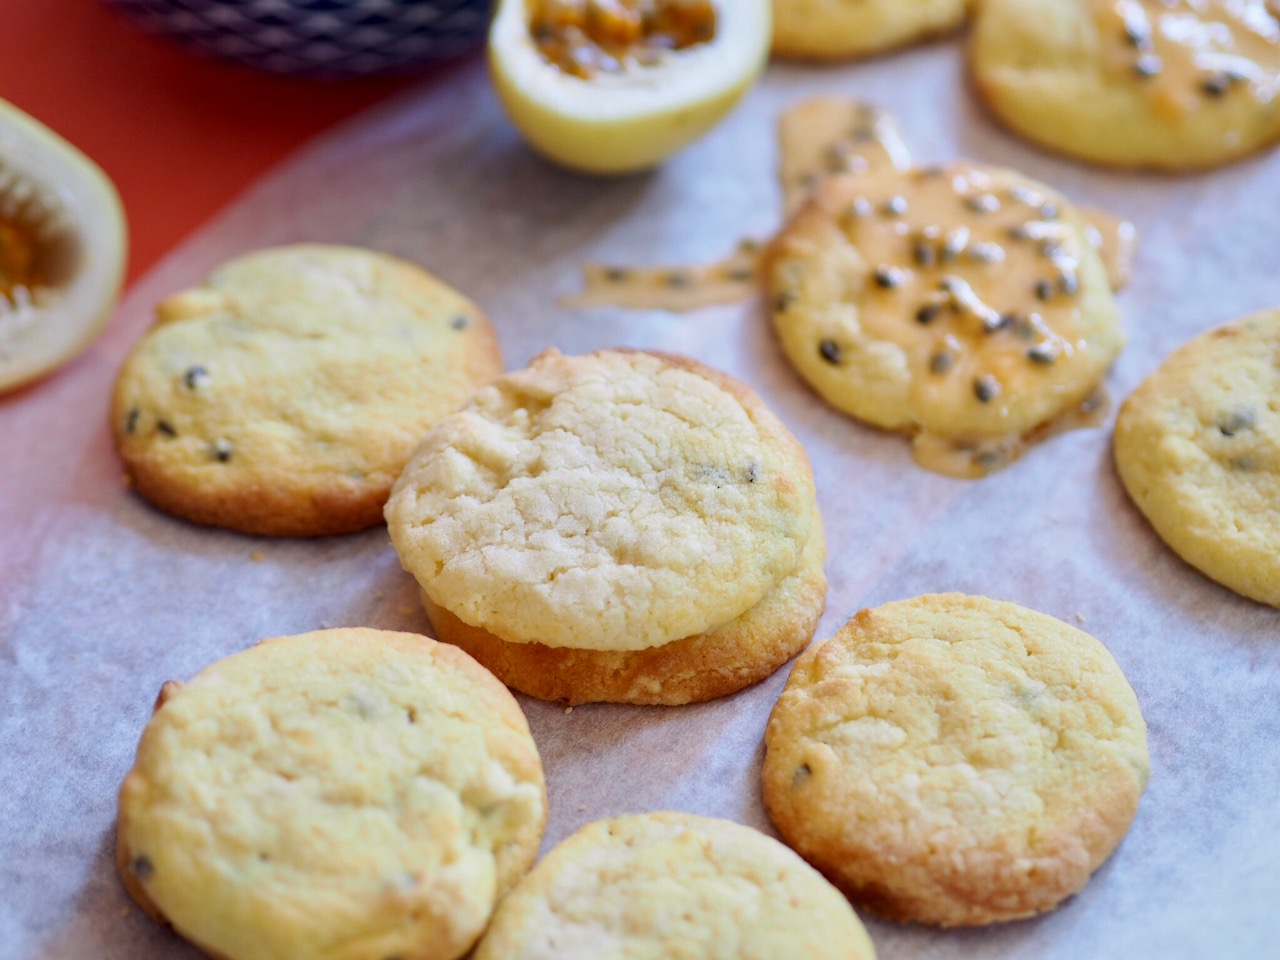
1133	83
347	794
840	29
285	395
960	304
955	760
713	664
615	501
670	885
1197	446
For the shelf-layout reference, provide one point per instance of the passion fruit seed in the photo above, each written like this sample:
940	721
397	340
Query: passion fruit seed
986	388
1233	422
1043	354
830	351
982	202
142	868
889	277
895	206
131	421
195	377
166	428
616	36
460	322
941	362
221	449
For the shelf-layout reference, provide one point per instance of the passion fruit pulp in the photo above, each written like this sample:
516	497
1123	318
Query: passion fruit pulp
616	86
62	249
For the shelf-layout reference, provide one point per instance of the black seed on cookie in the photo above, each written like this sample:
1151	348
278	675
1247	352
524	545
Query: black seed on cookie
1235	421
993	321
928	313
988	459
888	277
930	171
1215	85
802	774
1051	249
983	203
924	254
1148	66
986	388
941	362
131	421
412	715
1019	232
784	300
895	206
143	868
1136	34
195	377
955	244
1043	353
1044	290
830	351
1068	282
753	472
740	274
460	322
221	449
616	274
1243	463
166	428
678	279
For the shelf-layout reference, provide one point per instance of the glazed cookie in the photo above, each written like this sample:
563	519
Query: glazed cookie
1164	84
962	305
611	504
838	29
285	395
346	794
702	667
955	760
665	885
1197	446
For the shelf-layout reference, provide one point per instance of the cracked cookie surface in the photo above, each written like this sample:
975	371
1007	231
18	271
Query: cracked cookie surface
1197	446
284	396
955	760
672	885
615	501
346	794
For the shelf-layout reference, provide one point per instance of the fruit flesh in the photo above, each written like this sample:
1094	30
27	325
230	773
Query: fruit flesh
584	38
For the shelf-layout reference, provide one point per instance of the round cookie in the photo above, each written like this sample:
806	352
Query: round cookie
713	664
664	885
1197	446
962	305
346	794
837	29
1172	85
955	760
616	502
284	396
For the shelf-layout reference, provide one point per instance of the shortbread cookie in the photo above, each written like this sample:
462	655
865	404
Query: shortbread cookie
713	664
346	795
611	502
1163	84
838	29
961	305
955	760
284	396
1198	448
670	885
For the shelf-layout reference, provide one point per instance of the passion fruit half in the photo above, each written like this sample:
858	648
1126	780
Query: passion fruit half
62	249
616	86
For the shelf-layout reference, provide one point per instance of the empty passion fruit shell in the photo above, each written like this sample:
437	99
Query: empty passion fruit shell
62	249
615	86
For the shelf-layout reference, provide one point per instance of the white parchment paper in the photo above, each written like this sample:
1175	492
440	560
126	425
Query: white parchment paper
103	598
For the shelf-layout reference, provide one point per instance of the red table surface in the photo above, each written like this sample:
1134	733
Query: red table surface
179	134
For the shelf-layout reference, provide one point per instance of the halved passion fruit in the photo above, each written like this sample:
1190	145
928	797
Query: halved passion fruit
62	248
615	86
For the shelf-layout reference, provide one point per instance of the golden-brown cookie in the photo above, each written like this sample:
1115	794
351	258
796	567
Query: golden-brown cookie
658	886
613	503
839	29
955	760
1164	84
713	664
346	795
284	396
962	305
1197	446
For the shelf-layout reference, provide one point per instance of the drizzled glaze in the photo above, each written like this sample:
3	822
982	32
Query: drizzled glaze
1190	53
977	277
